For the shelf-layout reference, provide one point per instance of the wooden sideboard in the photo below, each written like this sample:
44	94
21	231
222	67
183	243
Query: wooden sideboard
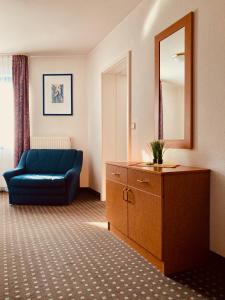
161	212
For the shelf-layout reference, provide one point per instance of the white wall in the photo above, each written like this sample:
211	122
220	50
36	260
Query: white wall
137	33
74	126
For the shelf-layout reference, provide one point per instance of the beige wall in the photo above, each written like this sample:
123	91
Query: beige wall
74	126
137	33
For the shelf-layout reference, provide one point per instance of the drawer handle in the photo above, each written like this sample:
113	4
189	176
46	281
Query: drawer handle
116	174
142	181
129	201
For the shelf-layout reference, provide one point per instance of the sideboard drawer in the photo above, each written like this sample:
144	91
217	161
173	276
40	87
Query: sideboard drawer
145	181
116	173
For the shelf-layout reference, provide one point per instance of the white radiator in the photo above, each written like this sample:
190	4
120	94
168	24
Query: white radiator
37	142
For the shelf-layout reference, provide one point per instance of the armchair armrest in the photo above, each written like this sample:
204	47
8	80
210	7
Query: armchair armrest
70	174
72	179
11	173
20	169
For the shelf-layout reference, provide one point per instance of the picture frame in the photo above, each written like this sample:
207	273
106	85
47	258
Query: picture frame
57	94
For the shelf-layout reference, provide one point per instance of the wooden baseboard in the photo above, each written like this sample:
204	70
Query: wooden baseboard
147	255
90	190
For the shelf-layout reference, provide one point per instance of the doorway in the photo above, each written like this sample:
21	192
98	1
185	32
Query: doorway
116	110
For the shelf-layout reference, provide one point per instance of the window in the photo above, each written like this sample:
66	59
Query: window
6	116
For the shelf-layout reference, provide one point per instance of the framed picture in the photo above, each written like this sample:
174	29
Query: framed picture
57	94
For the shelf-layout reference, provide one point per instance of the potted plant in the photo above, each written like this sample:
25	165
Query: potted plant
158	150
154	148
161	151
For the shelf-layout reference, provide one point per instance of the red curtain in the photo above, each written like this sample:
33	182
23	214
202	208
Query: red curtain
21	100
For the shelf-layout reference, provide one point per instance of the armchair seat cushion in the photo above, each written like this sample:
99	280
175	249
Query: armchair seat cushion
38	180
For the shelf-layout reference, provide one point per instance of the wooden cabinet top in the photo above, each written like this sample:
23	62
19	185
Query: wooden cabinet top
157	170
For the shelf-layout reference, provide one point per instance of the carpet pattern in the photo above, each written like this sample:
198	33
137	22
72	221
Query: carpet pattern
66	252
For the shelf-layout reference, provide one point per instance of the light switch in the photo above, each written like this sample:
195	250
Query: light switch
133	125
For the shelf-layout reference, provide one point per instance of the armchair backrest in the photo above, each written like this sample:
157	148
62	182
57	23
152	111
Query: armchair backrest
51	160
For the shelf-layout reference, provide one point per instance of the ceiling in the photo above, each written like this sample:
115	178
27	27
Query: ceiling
58	26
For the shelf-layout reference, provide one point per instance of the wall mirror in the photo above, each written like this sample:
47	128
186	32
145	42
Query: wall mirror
174	84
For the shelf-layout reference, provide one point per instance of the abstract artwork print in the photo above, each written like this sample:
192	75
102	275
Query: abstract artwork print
57	93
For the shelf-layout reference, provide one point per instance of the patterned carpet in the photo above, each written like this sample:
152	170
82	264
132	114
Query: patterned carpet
67	253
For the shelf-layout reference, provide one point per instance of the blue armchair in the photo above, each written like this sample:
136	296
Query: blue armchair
49	177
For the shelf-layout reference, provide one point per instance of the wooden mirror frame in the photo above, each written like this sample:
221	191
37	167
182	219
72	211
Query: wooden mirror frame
187	23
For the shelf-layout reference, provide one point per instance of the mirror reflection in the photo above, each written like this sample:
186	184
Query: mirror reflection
172	86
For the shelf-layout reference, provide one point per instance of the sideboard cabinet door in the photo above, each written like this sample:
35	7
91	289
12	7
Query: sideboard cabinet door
116	205
145	220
